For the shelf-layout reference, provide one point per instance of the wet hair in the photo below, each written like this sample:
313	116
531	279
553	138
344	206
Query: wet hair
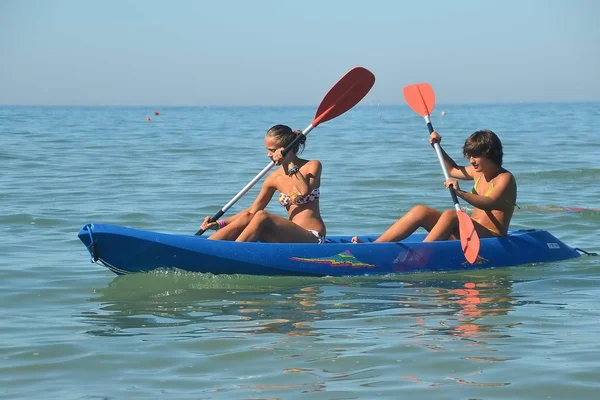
285	136
484	143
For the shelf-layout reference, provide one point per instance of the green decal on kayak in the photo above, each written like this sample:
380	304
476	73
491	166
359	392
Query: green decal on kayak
345	259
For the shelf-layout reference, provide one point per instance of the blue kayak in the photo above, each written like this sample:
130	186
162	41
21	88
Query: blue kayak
125	250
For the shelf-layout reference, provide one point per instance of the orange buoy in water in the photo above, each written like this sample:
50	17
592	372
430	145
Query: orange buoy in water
147	118
156	113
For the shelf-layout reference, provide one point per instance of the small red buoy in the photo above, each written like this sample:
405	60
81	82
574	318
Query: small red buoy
147	118
156	113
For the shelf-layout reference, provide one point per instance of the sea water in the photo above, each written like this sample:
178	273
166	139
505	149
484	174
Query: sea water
70	329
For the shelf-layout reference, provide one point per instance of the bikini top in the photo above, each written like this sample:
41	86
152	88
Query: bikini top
487	192
296	199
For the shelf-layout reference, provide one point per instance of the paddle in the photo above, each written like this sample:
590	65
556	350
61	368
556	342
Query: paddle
421	99
344	95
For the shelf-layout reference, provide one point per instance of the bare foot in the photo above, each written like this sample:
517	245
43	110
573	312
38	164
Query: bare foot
355	240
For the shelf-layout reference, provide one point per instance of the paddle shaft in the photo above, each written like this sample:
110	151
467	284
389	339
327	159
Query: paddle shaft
258	177
344	95
440	156
421	99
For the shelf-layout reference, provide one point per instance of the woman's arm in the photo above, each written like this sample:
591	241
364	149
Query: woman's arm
262	200
501	197
265	195
454	170
206	225
309	178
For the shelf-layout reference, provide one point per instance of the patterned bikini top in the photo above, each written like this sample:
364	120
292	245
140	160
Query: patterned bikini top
296	199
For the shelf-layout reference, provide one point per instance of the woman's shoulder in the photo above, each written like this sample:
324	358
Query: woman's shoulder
312	165
507	176
305	161
313	162
277	172
273	177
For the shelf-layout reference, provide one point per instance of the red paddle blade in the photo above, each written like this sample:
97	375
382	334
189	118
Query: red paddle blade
345	94
469	239
420	98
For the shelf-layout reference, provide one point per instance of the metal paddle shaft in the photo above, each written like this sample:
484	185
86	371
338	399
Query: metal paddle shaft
258	177
440	156
421	99
344	95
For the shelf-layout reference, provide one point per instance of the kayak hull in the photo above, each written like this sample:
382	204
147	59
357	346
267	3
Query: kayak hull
126	250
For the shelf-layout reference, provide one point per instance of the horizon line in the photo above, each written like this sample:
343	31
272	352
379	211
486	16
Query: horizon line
292	105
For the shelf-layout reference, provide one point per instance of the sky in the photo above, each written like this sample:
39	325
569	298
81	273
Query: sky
259	52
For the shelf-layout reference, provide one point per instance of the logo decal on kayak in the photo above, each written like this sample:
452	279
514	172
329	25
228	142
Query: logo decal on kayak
553	245
345	259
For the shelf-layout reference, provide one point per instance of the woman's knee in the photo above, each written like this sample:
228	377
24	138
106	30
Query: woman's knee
261	217
246	216
420	211
449	215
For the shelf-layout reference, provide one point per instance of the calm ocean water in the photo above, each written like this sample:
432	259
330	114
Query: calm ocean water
70	329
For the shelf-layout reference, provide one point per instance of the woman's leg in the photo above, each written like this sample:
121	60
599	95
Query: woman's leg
484	232
445	228
232	230
268	227
419	216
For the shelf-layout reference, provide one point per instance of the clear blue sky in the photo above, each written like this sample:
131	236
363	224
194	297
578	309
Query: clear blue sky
284	52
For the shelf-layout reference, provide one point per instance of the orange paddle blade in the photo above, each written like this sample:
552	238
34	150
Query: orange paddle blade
345	94
469	239
420	98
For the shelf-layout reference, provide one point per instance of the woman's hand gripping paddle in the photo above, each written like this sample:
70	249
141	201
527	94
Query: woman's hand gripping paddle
344	95
421	99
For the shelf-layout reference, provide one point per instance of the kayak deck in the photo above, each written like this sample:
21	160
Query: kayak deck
126	250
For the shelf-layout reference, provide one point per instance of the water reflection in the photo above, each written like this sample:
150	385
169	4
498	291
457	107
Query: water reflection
419	305
134	304
321	330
